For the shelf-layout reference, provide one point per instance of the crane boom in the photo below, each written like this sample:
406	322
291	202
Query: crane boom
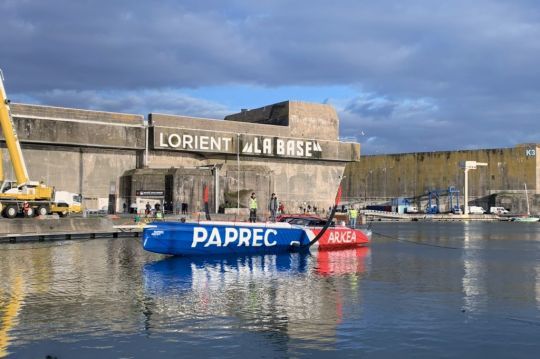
27	197
1	167
12	141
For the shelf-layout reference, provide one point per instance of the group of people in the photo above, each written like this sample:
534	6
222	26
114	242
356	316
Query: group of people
155	212
308	209
274	206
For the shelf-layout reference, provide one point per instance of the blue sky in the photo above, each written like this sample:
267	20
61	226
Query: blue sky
417	75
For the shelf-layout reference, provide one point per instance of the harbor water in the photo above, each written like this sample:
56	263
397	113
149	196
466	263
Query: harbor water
421	290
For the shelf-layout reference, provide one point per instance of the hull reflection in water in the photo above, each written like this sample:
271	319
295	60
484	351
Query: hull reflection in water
291	294
182	272
346	261
172	273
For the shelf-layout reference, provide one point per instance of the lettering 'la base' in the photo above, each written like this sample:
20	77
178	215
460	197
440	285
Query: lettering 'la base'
270	146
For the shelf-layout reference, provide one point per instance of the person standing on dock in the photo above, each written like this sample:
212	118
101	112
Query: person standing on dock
252	208
273	207
147	209
281	208
353	215
184	208
26	208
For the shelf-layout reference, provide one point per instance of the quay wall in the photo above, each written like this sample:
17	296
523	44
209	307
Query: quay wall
379	178
59	225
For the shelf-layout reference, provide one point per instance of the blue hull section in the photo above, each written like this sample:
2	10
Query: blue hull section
222	238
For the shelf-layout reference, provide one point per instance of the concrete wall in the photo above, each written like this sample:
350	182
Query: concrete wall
161	120
62	126
77	150
313	120
168	159
304	120
89	152
87	171
276	114
296	183
382	177
59	225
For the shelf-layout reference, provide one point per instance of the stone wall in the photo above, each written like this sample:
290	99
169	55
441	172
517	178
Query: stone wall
382	177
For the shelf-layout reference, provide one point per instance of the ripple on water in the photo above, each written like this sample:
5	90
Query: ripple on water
109	298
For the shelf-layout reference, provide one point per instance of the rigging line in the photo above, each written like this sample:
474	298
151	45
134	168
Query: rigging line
414	242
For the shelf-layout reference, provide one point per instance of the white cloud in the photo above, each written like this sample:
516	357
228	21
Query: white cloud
424	70
165	101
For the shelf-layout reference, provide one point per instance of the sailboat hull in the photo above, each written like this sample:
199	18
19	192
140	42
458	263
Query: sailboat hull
222	238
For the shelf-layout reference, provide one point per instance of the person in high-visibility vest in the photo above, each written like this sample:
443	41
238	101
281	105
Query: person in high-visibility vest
252	208
353	214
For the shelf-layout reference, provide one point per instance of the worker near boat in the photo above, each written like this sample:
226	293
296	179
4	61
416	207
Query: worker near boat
353	215
273	207
252	208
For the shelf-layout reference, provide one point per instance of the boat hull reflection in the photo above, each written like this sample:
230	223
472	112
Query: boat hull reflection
172	273
345	261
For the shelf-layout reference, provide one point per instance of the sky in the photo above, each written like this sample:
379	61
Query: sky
404	76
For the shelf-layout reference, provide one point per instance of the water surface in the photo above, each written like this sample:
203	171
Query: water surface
420	290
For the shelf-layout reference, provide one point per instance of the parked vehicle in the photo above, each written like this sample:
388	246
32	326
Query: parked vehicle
476	210
411	209
498	210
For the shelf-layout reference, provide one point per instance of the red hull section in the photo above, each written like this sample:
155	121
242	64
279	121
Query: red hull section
341	237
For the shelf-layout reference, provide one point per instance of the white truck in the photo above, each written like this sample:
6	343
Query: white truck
476	210
411	209
498	210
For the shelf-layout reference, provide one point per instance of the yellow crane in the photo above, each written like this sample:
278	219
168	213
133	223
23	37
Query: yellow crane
25	196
